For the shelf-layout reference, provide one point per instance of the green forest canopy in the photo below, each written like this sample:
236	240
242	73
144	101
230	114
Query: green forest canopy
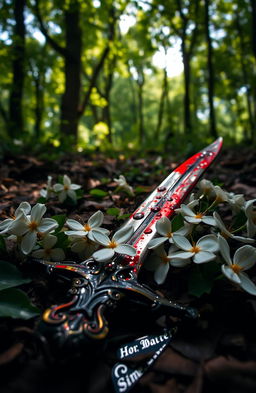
85	73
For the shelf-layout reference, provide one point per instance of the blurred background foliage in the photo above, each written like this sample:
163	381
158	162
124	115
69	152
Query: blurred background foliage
126	76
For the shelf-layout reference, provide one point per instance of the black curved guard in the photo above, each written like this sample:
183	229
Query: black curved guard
95	289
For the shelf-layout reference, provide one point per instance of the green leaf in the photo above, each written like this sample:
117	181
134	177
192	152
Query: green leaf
61	219
202	277
79	193
140	189
62	241
10	276
113	211
240	220
15	303
41	200
177	222
123	216
98	193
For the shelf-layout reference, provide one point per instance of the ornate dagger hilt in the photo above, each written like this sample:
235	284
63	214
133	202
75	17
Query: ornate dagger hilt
96	288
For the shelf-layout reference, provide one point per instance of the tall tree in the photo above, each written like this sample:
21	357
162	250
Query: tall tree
210	71
15	117
71	52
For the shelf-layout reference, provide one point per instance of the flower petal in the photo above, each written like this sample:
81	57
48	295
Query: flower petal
62	196
4	225
247	284
49	241
208	220
18	227
126	249
208	243
24	207
163	226
101	238
76	233
203	257
96	219
57	254
175	262
103	255
74	225
40	254
182	242
28	242
193	220
75	186
123	235
224	249
66	181
245	257
154	243
58	187
230	274
187	211
72	195
181	255
37	212
160	251
47	225
161	273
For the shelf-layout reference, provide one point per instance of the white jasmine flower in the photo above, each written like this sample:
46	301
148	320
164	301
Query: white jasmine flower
201	252
236	201
164	228
83	246
23	209
48	252
206	187
89	228
48	191
66	189
123	185
250	212
226	233
193	201
29	226
195	218
220	195
244	259
115	245
160	262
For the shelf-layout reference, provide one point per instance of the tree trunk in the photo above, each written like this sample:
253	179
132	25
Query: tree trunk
15	126
210	70
140	82
71	97
187	114
161	105
249	97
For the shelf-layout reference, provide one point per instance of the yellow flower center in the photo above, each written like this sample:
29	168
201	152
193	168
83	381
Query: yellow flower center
169	235
236	268
33	226
225	235
87	227
199	215
165	259
195	249
66	188
112	244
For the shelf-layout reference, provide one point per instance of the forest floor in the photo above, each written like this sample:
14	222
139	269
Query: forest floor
217	352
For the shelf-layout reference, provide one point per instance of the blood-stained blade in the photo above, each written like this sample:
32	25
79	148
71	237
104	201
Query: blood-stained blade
95	288
167	197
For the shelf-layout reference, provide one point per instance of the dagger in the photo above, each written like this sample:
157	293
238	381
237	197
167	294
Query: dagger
96	288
